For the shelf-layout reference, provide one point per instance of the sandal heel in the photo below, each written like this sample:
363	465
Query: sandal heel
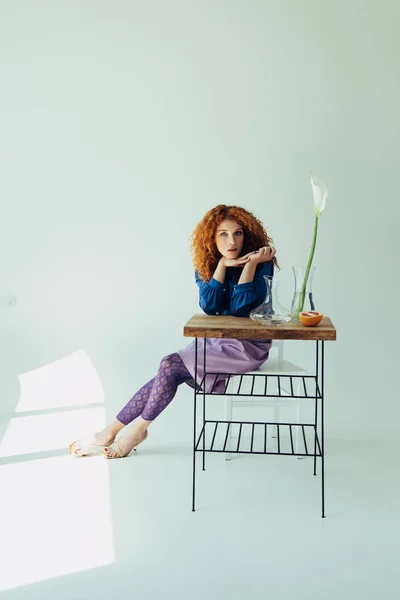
144	437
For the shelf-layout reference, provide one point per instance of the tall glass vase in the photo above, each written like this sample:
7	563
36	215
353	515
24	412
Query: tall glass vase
303	299
271	311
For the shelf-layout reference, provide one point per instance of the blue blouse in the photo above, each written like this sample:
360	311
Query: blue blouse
230	297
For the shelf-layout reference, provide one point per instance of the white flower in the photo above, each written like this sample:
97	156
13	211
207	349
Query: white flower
320	192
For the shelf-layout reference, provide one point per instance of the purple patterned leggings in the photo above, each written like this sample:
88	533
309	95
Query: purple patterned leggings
153	397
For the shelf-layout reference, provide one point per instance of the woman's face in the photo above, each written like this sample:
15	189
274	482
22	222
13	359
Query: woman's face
229	238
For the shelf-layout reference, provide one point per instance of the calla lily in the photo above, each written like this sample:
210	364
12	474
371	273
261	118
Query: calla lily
320	193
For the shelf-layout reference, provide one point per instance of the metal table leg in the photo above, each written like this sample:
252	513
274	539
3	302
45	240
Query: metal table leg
194	427
322	433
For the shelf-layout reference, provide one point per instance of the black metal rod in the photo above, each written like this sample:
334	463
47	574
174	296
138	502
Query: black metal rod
316	404
322	432
240	433
252	385
291	438
260	423
226	437
291	385
260	375
213	385
199	439
227	383
305	389
258	452
319	447
215	433
304	438
240	383
200	385
204	402
194	427
265	437
279	385
279	438
252	438
265	385
289	397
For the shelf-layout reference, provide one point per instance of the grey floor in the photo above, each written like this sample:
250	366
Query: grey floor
92	529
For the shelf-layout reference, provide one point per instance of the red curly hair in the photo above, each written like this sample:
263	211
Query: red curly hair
204	248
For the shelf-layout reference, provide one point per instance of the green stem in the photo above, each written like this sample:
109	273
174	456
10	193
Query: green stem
302	296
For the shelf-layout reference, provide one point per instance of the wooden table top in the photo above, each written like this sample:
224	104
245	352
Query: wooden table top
244	328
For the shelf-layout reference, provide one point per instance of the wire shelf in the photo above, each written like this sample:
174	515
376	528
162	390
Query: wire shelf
243	437
260	385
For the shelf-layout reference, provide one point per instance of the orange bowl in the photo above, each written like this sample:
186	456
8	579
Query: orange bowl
310	318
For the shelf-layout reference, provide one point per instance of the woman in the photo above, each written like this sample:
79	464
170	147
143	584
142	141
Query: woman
231	253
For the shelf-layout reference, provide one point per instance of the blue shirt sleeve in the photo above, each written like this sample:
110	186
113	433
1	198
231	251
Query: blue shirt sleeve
213	296
247	296
218	299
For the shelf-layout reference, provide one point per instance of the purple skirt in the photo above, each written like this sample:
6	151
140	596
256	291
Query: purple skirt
224	356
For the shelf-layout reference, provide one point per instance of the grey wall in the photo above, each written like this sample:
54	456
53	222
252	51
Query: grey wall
123	122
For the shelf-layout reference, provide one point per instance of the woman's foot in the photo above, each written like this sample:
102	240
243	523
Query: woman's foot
122	447
103	438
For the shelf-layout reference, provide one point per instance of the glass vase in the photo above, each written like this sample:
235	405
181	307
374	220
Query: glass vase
271	311
303	299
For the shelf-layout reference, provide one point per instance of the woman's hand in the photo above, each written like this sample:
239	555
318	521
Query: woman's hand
235	262
264	254
261	255
224	262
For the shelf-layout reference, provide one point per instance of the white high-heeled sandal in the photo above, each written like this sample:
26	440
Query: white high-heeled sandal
116	448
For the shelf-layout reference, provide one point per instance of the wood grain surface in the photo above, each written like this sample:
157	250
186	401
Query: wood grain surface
243	328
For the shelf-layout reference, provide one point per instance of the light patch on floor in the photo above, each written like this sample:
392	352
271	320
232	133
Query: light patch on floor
55	511
53	519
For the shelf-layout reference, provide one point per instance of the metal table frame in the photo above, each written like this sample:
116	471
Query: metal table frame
204	441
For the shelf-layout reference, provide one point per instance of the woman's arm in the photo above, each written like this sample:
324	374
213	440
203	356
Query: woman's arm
249	295
220	271
213	294
262	255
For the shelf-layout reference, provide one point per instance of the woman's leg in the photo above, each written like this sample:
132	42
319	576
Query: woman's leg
159	392
105	437
136	404
172	367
